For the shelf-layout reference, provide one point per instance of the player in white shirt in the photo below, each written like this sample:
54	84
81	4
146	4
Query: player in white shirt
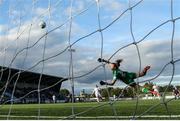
54	98
176	92
96	91
156	91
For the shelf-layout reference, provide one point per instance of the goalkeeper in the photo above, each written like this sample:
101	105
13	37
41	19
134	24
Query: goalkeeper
118	74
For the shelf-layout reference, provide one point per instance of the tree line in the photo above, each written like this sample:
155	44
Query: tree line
123	92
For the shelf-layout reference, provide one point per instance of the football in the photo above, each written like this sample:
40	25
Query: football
42	24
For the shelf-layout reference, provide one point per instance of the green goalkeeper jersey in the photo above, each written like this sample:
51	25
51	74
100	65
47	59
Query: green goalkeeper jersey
145	90
126	77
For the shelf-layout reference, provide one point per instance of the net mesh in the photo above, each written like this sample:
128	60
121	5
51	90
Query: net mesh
22	41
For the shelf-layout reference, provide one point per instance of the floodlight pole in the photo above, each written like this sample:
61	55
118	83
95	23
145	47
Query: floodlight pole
71	75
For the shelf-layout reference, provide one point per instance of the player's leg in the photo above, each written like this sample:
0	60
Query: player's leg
100	97
158	94
129	79
97	97
143	73
136	88
178	96
175	96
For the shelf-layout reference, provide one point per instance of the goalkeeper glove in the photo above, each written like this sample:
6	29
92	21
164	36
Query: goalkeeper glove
100	60
102	83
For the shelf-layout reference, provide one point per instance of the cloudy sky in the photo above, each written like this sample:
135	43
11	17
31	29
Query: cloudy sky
77	22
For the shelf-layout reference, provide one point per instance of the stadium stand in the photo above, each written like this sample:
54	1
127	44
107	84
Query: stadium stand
27	82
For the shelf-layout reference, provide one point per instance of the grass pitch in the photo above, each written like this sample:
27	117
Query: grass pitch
94	110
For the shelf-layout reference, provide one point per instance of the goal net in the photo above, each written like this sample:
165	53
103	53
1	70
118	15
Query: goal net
63	39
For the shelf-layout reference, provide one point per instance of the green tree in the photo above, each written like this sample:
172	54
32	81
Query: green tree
106	92
169	88
128	92
116	91
64	92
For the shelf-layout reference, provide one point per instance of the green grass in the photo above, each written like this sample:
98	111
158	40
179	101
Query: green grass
92	110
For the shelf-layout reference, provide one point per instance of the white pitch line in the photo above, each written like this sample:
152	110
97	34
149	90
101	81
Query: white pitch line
98	117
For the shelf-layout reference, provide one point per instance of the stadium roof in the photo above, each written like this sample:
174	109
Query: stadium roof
11	74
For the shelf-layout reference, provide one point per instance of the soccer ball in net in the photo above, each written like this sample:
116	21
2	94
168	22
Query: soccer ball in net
42	24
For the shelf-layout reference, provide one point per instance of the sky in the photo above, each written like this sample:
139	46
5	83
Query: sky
70	21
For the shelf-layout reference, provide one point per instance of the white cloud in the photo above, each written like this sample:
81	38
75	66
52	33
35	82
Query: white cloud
1	1
76	8
152	53
55	64
175	76
3	28
41	11
111	5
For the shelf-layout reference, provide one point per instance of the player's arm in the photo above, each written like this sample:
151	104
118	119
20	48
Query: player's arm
178	92
92	93
108	83
112	82
103	60
111	65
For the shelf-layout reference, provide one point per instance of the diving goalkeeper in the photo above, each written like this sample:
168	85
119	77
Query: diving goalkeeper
118	74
